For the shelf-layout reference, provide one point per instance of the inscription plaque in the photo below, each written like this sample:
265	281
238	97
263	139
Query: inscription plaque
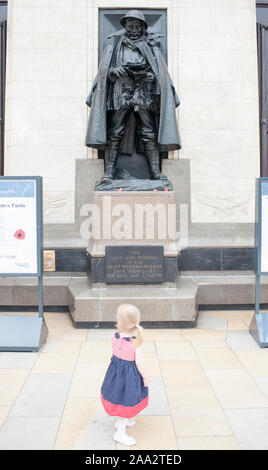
134	264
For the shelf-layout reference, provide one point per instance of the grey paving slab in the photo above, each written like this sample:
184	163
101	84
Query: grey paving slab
210	322
241	341
28	433
250	427
158	402
98	433
17	360
100	334
42	395
262	383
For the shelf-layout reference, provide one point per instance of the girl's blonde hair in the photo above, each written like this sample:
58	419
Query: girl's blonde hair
128	320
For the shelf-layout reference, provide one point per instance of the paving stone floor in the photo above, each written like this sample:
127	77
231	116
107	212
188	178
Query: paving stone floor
208	389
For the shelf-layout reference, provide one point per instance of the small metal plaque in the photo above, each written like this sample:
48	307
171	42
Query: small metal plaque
49	260
134	264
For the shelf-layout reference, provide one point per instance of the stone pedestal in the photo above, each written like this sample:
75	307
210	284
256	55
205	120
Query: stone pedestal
133	219
133	251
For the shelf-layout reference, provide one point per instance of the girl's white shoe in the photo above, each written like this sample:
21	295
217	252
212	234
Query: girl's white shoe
124	439
129	422
121	435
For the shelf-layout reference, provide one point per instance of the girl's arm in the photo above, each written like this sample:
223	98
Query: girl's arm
140	366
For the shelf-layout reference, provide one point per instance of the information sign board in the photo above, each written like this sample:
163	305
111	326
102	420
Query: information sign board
259	324
263	227
21	246
20	235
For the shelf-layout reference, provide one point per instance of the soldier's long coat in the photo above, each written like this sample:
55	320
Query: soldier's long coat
168	134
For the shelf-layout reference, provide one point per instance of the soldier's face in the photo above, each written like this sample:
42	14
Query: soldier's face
134	28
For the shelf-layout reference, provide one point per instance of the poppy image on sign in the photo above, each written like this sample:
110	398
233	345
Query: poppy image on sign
19	234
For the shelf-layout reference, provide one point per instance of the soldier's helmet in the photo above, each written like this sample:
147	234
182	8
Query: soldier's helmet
138	15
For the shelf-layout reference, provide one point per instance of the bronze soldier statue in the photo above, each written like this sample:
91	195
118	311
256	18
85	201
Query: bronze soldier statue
133	99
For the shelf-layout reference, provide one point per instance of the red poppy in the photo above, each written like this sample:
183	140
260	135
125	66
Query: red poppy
19	234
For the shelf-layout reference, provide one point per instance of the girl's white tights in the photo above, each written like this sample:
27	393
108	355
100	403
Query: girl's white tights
120	434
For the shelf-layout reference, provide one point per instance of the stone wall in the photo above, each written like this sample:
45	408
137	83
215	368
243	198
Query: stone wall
52	60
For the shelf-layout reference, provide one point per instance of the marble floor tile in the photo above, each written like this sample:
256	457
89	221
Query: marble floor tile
242	315
148	347
177	332
200	334
58	321
85	425
201	422
40	435
191	397
210	322
195	412
163	335
212	344
237	325
17	360
250	427
235	388
151	362
42	395
241	340
256	362
55	363
4	410
11	381
100	334
262	383
152	433
87	379
248	317
217	358
57	346
175	350
158	403
67	334
208	443
98	433
96	351
183	374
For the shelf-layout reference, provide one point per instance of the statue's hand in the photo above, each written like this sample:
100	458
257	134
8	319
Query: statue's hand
149	77
118	72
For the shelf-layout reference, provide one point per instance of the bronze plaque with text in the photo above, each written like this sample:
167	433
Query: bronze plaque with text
134	264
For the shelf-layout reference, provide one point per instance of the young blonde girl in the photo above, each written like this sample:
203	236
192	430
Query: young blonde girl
124	392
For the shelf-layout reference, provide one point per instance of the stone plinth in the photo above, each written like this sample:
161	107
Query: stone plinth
164	305
137	230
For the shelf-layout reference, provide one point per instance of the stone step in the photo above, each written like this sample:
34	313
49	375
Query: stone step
229	288
170	302
157	304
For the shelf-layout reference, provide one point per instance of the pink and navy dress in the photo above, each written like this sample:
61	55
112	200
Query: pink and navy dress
122	392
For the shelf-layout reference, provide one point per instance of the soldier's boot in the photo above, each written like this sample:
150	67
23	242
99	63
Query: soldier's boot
152	156
110	158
